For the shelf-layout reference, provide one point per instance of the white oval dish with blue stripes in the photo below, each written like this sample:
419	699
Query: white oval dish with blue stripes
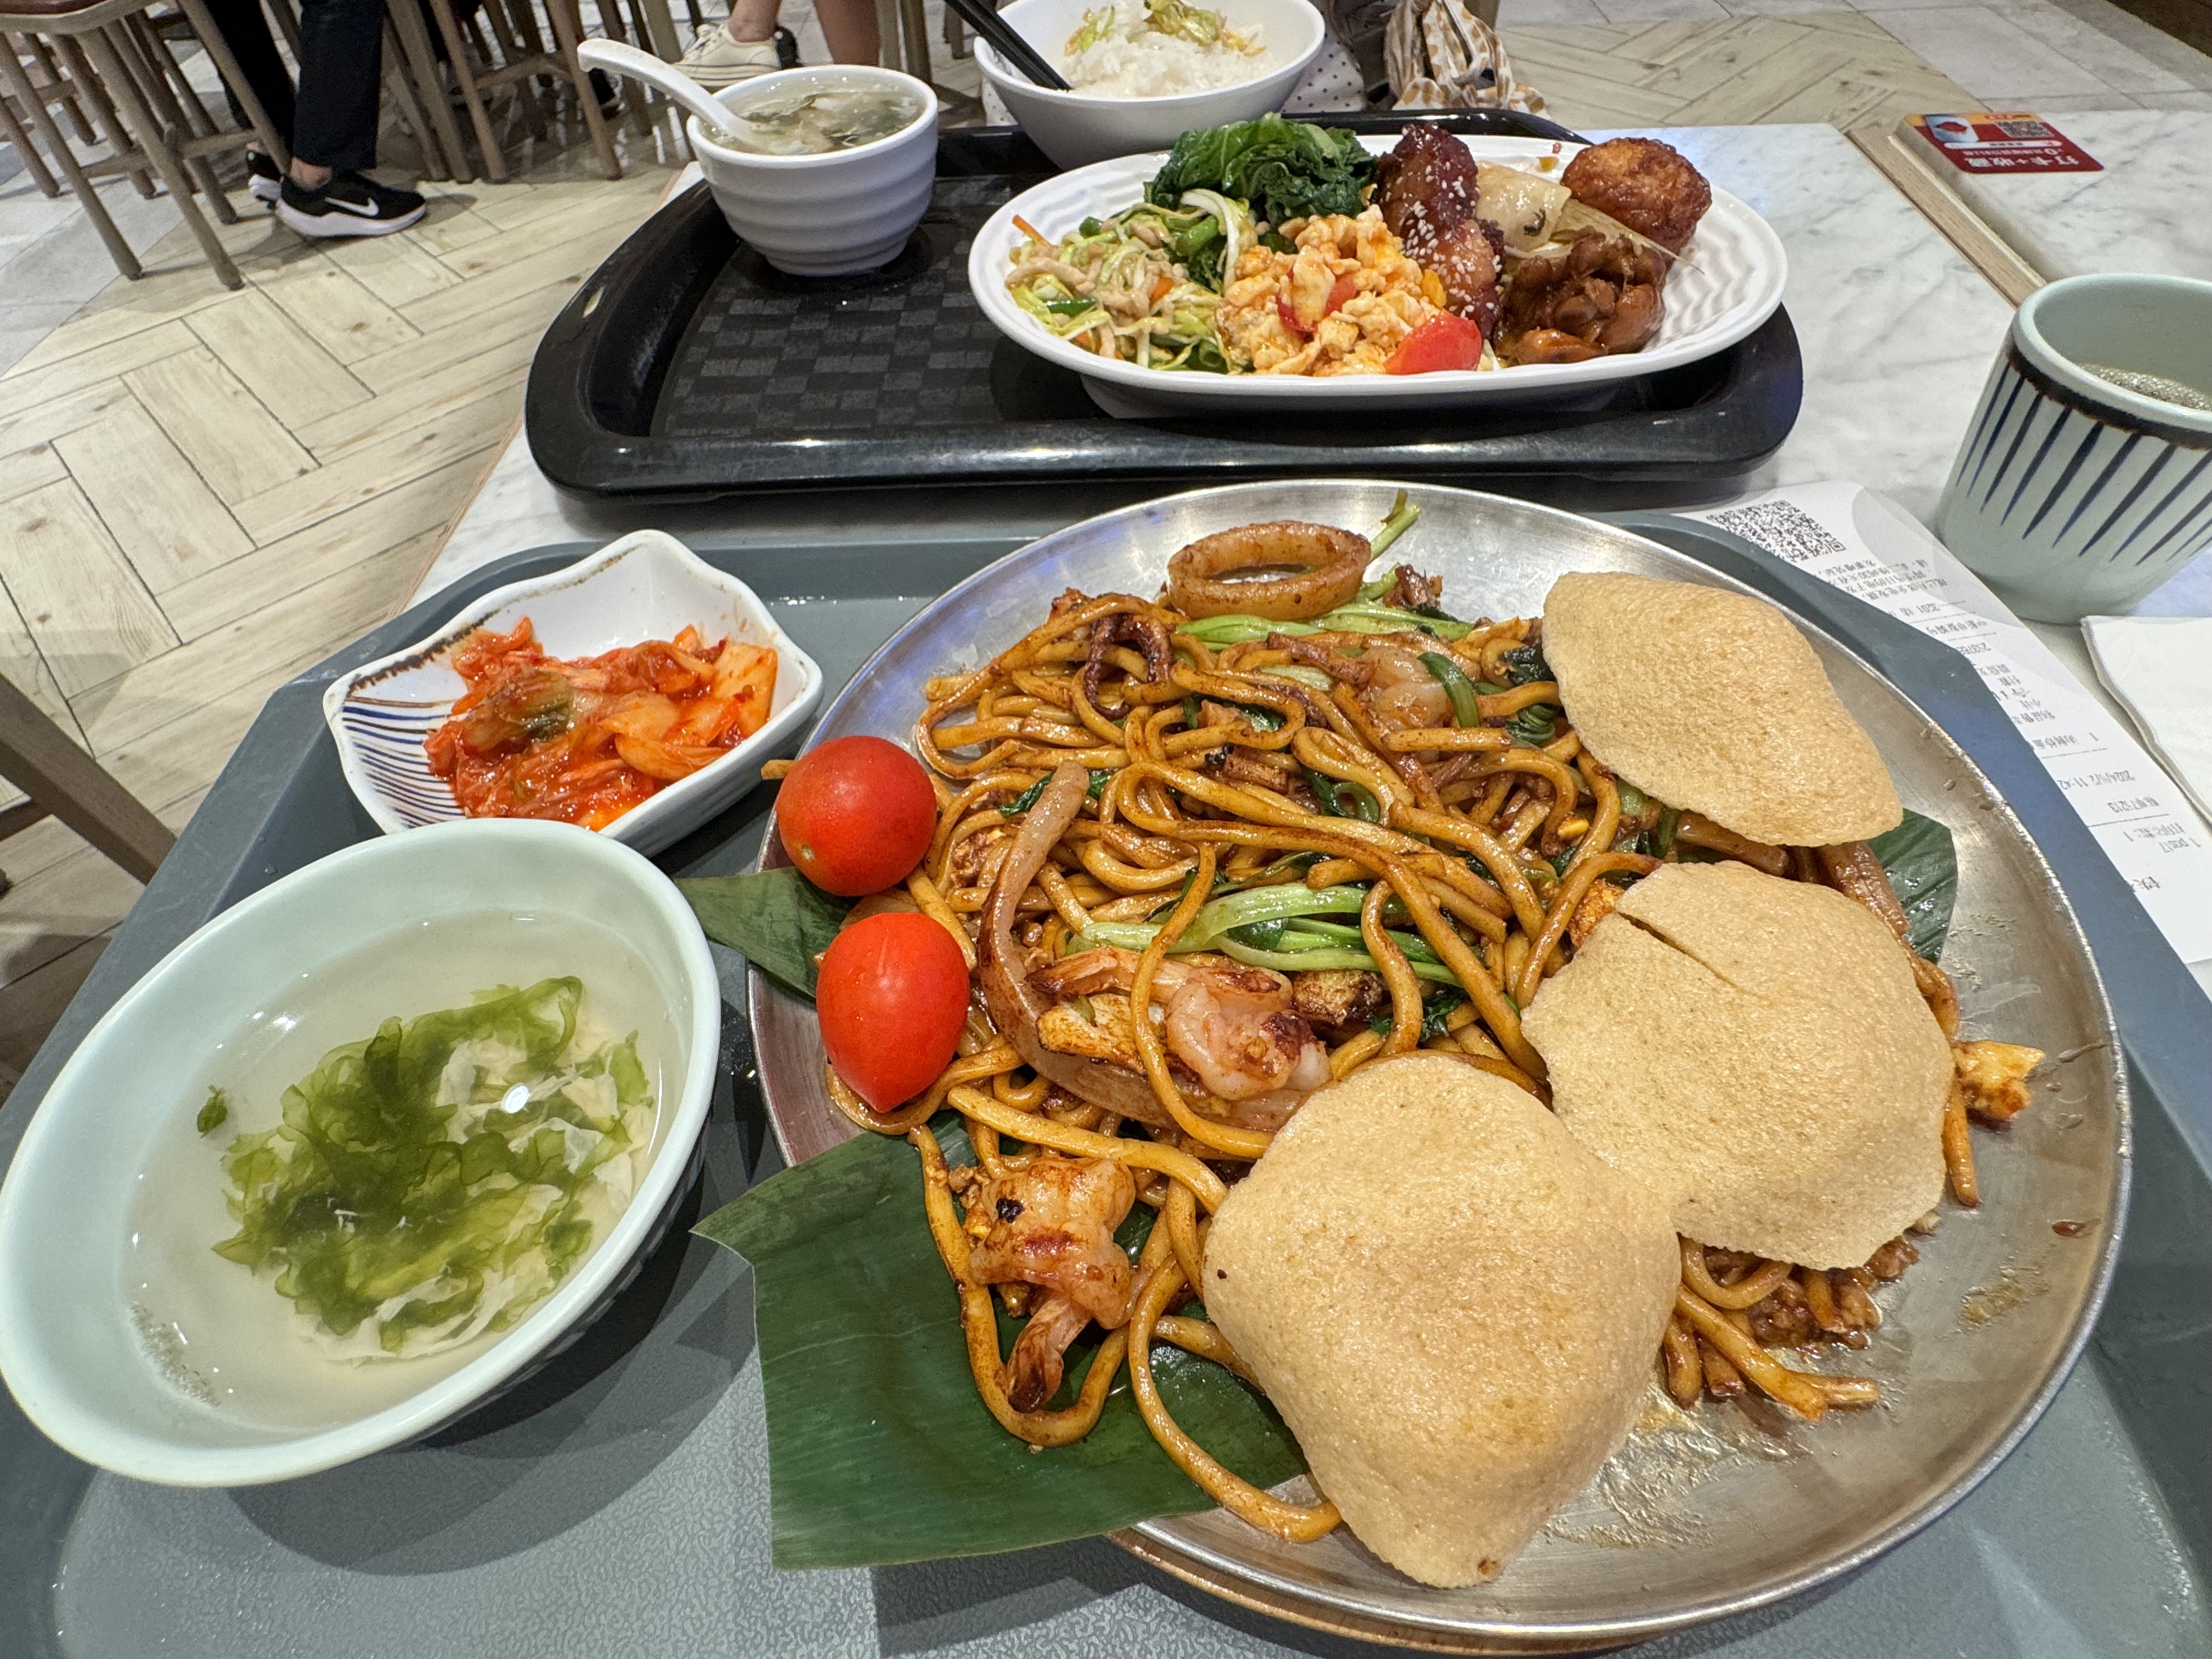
648	585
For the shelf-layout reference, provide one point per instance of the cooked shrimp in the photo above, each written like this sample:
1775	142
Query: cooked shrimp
1235	1027
1052	1225
1403	694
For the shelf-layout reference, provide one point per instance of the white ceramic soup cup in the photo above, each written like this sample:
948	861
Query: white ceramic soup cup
2072	496
1078	128
68	1346
833	214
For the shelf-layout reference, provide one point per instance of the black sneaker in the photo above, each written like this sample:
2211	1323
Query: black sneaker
263	176
351	204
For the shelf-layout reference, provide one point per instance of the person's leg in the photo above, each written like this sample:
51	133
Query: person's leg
747	44
341	74
244	30
752	20
328	191
850	27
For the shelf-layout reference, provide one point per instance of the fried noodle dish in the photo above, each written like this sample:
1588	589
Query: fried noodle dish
586	739
1206	853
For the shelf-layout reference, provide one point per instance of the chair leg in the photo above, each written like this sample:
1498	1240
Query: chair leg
658	33
55	78
165	161
12	131
401	90
457	55
226	65
913	36
568	29
143	57
638	101
42	118
69	783
516	33
406	21
286	13
87	86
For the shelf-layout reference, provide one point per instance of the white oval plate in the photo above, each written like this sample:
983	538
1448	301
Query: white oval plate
646	586
1726	285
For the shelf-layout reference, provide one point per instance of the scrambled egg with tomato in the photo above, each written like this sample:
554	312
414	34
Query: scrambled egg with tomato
1341	305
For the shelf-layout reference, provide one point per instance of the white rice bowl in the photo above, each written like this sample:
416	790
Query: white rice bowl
1134	61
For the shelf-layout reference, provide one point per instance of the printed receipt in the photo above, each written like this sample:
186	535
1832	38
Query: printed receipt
1874	551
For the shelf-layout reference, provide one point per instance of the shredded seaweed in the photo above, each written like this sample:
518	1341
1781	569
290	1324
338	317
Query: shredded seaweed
438	1179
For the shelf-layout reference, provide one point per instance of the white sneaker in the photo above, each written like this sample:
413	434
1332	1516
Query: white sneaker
716	61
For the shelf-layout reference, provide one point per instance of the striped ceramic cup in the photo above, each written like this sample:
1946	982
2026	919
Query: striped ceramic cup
2086	477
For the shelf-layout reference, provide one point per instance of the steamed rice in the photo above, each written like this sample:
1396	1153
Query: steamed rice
1137	61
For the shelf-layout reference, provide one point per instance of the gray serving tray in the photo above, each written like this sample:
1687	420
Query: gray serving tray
617	1503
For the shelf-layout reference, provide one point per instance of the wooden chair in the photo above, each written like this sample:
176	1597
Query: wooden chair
65	782
522	57
104	47
63	81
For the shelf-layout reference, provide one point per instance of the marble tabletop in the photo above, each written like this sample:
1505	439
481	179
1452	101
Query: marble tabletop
2150	210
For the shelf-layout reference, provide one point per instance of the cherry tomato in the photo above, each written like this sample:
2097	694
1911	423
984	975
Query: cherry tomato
1444	341
856	815
892	999
1344	291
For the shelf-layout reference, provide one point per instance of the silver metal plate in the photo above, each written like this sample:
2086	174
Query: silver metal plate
1704	1517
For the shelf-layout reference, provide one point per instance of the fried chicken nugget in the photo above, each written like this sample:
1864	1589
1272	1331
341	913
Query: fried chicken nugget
1647	185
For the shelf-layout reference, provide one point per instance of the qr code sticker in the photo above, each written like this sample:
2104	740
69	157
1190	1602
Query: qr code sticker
2023	129
1781	528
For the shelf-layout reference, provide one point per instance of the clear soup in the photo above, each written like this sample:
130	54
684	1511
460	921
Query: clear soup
828	113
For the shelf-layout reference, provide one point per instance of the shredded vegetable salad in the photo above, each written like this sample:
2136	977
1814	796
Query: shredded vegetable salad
1143	287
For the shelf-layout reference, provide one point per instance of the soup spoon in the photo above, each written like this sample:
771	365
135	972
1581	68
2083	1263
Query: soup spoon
666	77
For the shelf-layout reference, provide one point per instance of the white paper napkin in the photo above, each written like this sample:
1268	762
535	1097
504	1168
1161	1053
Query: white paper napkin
2161	667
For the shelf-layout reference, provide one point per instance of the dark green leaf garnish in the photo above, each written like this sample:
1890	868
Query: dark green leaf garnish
1924	868
1525	664
780	920
1435	1011
1344	800
1285	169
1459	688
878	1450
1534	726
215	1113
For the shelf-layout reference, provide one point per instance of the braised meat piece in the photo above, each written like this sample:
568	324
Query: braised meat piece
1426	188
1649	186
1601	296
1338	1001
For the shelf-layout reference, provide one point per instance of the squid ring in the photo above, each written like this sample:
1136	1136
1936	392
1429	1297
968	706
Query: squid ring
1326	565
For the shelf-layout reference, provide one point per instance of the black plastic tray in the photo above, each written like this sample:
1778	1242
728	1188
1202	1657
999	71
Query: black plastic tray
687	367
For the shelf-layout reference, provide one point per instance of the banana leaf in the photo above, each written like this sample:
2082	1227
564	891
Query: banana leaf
1924	868
879	1450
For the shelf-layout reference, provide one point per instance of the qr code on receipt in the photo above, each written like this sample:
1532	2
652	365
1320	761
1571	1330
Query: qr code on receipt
1781	528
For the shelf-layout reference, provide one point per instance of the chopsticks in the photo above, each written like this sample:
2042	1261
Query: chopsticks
1008	45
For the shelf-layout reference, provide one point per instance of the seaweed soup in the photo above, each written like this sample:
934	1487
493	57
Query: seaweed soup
220	1334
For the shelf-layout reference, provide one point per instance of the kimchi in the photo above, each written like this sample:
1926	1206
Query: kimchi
586	739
